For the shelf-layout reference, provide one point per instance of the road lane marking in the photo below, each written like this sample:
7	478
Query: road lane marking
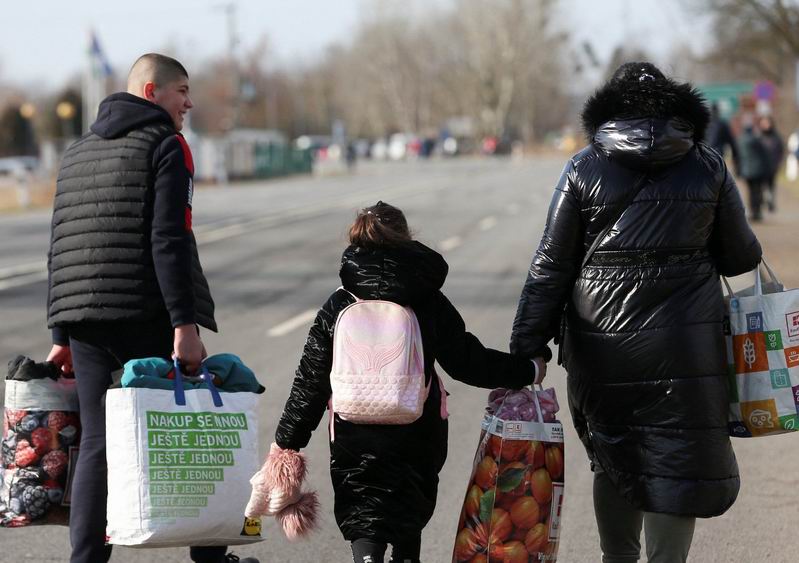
19	269
38	271
222	233
292	324
450	243
487	223
23	280
305	212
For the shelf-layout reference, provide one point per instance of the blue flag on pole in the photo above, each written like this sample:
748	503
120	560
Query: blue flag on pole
99	57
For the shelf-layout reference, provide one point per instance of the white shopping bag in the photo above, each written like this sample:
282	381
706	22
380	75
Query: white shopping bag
763	358
178	474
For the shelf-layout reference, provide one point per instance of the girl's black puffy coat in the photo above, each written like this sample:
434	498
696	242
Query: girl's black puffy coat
644	346
385	478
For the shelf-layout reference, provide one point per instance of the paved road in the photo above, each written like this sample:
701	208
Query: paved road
271	252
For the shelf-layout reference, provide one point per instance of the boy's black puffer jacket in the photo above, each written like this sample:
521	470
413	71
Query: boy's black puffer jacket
385	477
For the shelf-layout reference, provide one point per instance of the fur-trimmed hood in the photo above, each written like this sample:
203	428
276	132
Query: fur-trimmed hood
647	123
663	98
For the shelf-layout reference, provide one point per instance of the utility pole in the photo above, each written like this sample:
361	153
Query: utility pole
230	9
224	150
796	83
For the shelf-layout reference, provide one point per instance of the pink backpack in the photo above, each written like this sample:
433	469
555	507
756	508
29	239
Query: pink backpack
378	365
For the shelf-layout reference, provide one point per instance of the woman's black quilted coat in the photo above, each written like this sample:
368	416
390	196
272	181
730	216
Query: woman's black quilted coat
644	346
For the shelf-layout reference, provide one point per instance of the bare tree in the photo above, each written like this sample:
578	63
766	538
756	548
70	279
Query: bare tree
502	50
495	61
754	38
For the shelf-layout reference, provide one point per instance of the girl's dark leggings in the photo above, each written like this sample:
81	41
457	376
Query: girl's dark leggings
366	550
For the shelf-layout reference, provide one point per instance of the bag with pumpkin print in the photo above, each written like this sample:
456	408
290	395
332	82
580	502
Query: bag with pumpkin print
513	503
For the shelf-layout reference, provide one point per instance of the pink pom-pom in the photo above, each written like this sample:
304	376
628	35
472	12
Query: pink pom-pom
284	470
300	518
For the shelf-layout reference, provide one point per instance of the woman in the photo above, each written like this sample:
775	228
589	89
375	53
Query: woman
644	344
755	166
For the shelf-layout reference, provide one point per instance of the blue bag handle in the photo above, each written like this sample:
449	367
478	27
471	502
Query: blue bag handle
209	380
180	394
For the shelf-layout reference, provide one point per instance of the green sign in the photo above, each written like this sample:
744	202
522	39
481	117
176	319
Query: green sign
727	95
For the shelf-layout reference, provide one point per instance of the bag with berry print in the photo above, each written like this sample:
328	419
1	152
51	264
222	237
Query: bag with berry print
179	464
41	433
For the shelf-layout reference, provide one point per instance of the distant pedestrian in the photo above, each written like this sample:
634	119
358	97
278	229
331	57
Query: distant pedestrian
351	156
385	476
776	151
755	166
125	276
428	146
719	135
642	223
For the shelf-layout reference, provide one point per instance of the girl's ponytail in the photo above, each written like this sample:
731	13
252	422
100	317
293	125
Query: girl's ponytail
380	225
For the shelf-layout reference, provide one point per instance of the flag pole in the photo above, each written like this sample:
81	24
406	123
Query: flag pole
86	84
98	71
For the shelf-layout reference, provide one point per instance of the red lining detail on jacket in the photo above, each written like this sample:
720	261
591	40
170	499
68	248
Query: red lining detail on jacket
187	158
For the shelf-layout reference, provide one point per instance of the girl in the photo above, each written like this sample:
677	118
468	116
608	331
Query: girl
385	477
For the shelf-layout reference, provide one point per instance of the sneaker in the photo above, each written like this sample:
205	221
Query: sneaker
230	558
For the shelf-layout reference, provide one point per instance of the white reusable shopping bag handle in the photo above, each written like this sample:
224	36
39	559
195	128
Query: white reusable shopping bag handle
758	280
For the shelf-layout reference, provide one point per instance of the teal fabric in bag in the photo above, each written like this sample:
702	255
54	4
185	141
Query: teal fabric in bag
231	375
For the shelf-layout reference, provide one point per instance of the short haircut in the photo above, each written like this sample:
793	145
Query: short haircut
155	68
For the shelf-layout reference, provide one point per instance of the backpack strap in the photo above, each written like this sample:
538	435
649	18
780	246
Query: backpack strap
341	287
639	184
332	419
631	195
330	400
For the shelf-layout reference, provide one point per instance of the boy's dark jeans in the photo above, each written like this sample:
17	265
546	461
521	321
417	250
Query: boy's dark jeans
97	350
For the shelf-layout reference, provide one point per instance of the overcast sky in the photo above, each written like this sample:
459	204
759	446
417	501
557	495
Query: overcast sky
44	43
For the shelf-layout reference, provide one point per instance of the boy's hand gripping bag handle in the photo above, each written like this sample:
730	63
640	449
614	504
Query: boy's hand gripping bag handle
180	394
